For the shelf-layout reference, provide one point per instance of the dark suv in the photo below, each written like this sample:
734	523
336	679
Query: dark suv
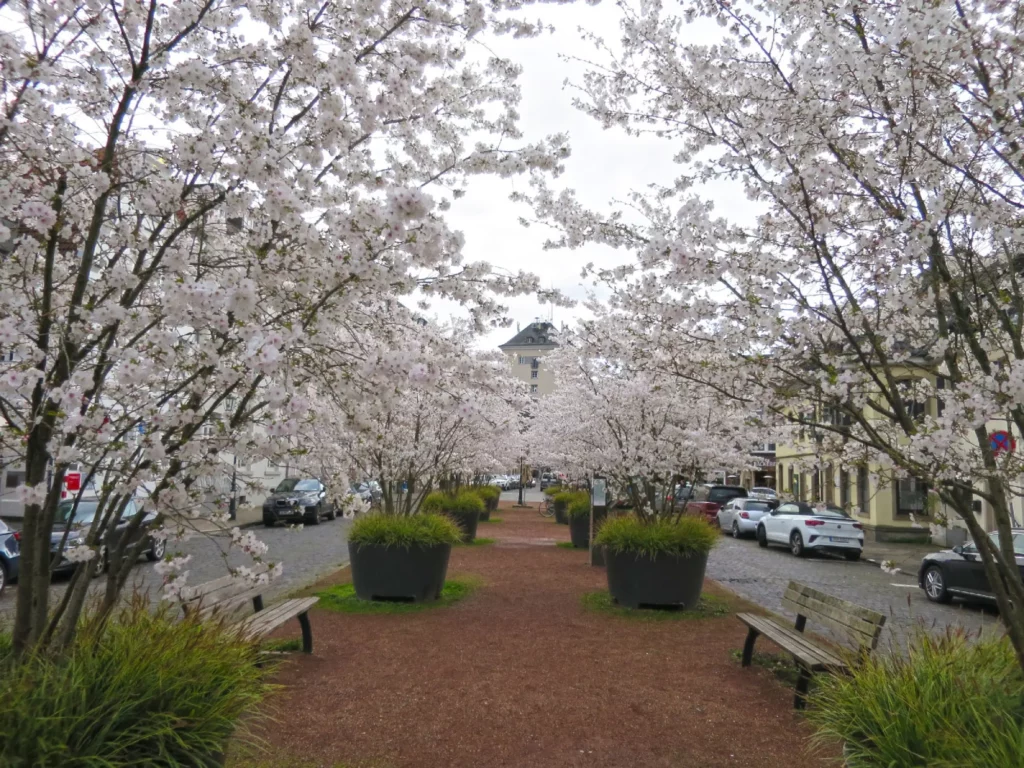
708	499
298	499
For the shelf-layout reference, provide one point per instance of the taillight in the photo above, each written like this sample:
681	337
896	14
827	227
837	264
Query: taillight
813	523
745	515
17	535
858	526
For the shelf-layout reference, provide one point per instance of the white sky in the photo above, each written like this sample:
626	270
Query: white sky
605	165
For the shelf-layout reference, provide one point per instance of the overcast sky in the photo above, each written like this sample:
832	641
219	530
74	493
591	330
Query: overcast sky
604	165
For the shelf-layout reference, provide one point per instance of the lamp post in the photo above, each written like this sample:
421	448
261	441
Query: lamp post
233	506
521	459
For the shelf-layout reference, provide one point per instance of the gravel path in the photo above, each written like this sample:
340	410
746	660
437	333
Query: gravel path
519	674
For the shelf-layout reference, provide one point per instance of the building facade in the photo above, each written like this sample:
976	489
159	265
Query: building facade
526	350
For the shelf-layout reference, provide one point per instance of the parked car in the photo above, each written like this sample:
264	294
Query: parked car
77	521
740	516
10	555
706	500
805	527
958	572
302	499
762	492
362	490
547	480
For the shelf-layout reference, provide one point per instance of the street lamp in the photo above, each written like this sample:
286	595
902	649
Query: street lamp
521	458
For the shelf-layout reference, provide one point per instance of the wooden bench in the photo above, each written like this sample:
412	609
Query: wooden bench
860	626
226	595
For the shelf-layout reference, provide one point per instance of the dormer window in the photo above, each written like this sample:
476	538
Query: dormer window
529	339
543	340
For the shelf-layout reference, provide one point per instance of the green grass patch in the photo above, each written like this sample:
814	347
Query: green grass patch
477	543
782	667
281	646
342	598
252	759
709	607
565	545
493	520
404	531
686	536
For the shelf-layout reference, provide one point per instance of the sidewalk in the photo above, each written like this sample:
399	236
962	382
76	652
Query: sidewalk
906	557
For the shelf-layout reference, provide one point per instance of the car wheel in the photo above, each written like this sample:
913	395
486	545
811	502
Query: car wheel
935	585
333	513
3	577
852	555
735	530
268	521
762	536
314	519
796	544
157	551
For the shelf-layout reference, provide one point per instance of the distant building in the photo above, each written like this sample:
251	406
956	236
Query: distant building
526	349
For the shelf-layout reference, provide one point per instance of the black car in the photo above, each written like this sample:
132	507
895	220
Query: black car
958	572
10	554
77	521
298	499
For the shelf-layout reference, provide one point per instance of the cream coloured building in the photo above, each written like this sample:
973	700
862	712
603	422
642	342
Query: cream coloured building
526	349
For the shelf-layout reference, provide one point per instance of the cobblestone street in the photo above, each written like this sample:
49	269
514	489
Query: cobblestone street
761	576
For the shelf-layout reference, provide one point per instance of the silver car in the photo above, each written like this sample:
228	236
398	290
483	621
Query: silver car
740	516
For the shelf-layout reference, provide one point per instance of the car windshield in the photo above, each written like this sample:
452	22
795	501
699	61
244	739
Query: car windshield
811	509
294	484
757	506
722	495
84	514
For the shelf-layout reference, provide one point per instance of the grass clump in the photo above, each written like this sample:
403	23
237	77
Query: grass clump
405	531
565	545
709	607
781	666
342	598
145	689
491	495
433	503
494	520
552	490
282	646
465	502
478	543
950	701
685	536
579	506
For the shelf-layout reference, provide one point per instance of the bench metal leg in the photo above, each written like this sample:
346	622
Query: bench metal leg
800	700
257	603
748	646
801	622
307	633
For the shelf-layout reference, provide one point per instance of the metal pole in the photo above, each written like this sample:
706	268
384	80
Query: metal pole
521	481
233	507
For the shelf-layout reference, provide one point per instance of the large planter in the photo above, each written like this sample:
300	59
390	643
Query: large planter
579	531
598	558
492	504
637	581
560	517
467	521
485	515
394	573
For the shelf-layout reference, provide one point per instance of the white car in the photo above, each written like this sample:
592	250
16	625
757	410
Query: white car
760	492
804	527
741	516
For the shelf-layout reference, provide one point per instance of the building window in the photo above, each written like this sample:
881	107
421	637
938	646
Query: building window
830	485
533	389
844	489
816	487
15	478
790	487
533	373
911	496
863	495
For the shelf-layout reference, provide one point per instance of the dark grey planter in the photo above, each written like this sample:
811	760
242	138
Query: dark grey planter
394	573
597	559
638	581
560	516
485	515
467	521
579	531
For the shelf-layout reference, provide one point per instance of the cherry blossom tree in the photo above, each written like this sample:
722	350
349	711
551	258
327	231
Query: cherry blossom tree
643	429
876	295
443	411
195	197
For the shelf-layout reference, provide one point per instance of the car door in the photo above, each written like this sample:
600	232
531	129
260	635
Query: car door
966	573
773	523
728	512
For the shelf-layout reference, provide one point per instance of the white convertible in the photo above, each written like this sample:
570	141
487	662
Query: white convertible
803	527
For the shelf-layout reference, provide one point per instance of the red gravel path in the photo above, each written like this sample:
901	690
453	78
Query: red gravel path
518	674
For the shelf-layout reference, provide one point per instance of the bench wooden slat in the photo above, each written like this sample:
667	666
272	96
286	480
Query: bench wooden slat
856	630
845	606
223	588
268	620
793	642
228	605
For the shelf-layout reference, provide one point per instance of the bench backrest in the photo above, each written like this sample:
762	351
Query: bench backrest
226	593
861	626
